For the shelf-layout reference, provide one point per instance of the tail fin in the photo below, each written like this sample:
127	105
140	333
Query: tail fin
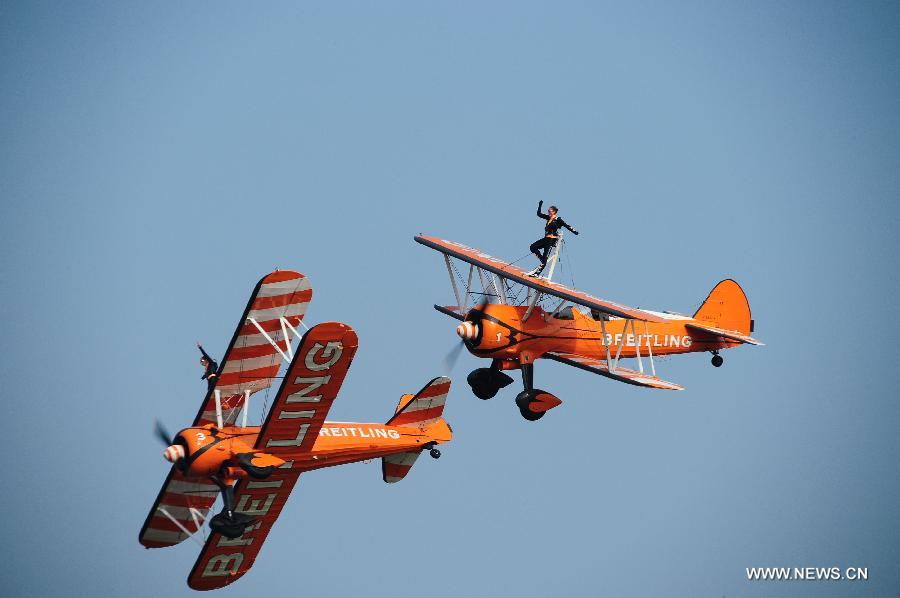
423	408
727	308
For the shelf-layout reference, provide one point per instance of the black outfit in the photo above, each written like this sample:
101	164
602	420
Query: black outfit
211	372
551	235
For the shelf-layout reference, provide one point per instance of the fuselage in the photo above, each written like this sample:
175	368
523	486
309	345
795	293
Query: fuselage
502	334
208	449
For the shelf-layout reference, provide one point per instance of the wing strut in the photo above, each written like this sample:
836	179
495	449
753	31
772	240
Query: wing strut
649	349
219	423
468	287
452	280
285	327
198	523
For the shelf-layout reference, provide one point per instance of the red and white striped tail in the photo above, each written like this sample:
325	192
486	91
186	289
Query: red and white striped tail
423	408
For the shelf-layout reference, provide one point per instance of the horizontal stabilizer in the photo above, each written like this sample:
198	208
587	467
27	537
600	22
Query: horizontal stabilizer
454	311
599	366
395	467
726	334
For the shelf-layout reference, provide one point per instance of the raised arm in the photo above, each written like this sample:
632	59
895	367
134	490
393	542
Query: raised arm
541	214
208	358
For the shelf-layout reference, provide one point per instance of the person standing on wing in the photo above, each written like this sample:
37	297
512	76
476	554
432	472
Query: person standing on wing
541	248
210	369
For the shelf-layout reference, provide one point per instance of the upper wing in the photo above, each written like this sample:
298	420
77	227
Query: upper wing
726	334
251	361
515	274
310	386
599	366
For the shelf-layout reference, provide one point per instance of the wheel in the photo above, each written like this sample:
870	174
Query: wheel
485	382
484	392
230	528
717	361
435	453
530	415
523	402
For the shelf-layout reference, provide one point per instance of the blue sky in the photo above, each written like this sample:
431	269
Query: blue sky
157	159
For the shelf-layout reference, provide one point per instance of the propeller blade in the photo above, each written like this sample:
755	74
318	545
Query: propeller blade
452	357
162	433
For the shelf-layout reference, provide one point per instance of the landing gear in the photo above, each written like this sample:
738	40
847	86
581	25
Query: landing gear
523	401
533	402
435	453
254	471
229	523
717	360
232	527
487	382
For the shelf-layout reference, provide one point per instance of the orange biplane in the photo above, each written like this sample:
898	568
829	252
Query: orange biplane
517	318
255	468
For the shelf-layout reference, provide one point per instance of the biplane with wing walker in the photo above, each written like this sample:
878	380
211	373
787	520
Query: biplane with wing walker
255	468
515	318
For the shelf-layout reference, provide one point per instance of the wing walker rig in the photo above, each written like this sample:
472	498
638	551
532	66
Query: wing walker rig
514	318
255	468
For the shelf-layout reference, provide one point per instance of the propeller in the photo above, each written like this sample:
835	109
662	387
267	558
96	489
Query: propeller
162	433
453	356
174	453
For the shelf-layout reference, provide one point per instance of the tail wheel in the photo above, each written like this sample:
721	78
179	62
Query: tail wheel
717	361
435	453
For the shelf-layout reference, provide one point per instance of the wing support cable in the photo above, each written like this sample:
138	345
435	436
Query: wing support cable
198	523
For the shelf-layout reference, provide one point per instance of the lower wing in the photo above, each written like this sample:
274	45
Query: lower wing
599	366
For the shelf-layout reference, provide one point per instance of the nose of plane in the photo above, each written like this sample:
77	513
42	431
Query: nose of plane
174	453
467	331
